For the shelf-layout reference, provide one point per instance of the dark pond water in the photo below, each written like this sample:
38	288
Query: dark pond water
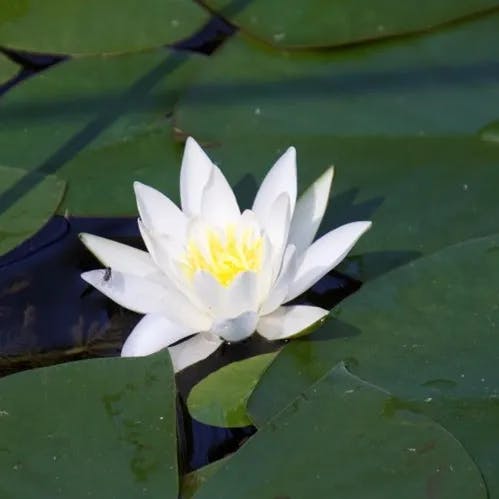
50	315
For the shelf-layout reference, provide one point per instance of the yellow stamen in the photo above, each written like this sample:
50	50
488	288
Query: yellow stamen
224	255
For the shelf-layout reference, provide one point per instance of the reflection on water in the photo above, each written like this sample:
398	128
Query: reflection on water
50	315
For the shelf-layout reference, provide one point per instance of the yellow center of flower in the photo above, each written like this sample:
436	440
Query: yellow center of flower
224	254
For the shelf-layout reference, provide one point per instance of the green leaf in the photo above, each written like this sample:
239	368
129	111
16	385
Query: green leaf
96	26
100	180
220	398
440	83
97	428
428	332
7	69
89	103
192	481
21	218
320	23
338	439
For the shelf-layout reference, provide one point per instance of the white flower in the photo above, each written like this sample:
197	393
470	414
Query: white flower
214	272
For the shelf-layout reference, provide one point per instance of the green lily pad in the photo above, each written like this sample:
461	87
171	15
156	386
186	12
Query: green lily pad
63	110
96	26
440	83
220	398
192	481
21	217
337	437
97	176
7	68
97	428
320	23
428	332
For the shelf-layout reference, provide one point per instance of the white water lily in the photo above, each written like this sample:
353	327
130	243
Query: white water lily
214	273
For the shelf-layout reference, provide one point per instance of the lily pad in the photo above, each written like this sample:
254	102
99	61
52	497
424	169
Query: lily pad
321	23
7	69
220	398
440	83
192	481
337	437
428	332
100	428
96	26
21	217
63	111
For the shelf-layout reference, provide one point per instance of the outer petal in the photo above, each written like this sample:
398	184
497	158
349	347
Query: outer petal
147	296
238	328
276	226
289	321
309	212
194	175
219	205
281	178
193	350
324	255
158	213
119	257
280	289
231	301
153	333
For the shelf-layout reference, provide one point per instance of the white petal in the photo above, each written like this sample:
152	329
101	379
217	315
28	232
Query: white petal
219	205
236	329
147	296
158	213
193	350
194	175
324	255
281	178
227	302
280	289
119	257
309	212
153	333
276	226
289	321
132	292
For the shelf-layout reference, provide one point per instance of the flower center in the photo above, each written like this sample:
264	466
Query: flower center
224	254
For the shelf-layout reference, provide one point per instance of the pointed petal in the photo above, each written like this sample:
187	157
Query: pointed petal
194	175
309	212
219	205
324	255
158	213
280	289
193	350
227	302
119	257
281	178
147	296
236	329
289	321
153	333
276	226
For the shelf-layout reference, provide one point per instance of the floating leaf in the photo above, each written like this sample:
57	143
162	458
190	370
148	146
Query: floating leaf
338	437
21	217
96	26
320	23
195	479
98	428
220	398
428	332
439	83
7	69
